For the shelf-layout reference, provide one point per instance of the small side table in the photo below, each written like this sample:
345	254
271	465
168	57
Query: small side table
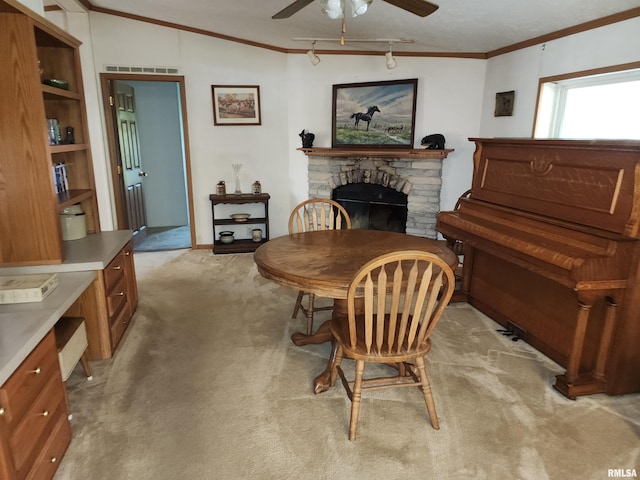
239	245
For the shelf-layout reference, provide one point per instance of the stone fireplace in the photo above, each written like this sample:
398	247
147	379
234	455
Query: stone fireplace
415	173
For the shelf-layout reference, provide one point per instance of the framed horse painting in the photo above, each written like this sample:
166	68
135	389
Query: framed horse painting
236	104
374	114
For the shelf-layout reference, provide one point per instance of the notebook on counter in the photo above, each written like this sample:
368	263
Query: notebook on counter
26	288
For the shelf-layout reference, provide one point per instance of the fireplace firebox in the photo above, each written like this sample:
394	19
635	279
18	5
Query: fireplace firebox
373	207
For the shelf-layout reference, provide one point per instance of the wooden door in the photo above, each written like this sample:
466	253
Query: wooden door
130	159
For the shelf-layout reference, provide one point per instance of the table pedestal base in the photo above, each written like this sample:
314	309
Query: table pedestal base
322	382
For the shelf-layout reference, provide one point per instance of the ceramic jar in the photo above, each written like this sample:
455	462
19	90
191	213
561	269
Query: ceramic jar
256	235
226	236
256	188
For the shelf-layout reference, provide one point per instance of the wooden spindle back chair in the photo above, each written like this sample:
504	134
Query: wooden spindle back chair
394	302
318	214
313	215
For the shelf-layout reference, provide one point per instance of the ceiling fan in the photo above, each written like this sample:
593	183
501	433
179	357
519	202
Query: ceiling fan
422	8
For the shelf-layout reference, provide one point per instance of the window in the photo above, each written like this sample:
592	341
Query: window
597	105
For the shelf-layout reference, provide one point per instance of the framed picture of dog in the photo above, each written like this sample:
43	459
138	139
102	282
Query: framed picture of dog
374	114
236	104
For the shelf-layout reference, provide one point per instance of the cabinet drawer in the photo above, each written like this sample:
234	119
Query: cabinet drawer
21	389
47	462
37	422
114	272
119	324
117	297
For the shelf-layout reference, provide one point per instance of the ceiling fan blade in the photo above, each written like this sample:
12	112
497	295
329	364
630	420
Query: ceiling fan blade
291	9
422	8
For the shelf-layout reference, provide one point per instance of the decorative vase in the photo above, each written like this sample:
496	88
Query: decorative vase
236	171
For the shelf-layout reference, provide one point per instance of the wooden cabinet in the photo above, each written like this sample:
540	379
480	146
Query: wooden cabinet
121	293
108	304
239	245
34	425
32	49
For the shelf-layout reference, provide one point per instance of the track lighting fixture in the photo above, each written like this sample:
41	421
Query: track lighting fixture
313	58
389	60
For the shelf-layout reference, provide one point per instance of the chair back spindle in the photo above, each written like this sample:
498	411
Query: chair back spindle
403	300
318	214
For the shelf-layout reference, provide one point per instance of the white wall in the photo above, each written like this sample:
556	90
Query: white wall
456	97
205	61
610	45
294	95
449	102
35	5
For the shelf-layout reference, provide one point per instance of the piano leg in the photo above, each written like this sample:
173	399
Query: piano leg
572	384
605	341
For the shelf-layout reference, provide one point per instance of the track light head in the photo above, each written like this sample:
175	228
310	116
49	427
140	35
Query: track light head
313	58
389	60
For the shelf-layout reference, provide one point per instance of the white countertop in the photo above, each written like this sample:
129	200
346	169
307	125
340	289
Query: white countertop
93	252
23	325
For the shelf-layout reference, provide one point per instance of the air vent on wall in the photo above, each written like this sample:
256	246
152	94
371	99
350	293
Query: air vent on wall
154	70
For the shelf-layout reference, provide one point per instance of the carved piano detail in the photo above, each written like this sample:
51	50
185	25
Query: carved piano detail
552	244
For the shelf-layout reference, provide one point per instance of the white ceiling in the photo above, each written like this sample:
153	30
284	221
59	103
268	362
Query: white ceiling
458	26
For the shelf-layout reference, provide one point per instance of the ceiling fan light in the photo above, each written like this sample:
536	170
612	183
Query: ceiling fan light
390	61
333	8
359	7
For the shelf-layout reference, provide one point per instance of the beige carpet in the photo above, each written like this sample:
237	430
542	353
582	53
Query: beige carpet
207	385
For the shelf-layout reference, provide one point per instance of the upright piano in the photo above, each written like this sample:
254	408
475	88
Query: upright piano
551	239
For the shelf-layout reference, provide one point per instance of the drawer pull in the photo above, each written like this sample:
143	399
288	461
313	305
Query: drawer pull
120	294
126	254
54	459
36	371
45	413
1	411
117	267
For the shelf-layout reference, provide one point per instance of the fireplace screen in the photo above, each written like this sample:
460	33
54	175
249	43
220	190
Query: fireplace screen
373	207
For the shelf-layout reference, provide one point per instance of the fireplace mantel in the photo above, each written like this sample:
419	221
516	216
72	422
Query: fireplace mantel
377	153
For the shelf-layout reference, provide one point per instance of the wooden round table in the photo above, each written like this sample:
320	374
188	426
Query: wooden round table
324	263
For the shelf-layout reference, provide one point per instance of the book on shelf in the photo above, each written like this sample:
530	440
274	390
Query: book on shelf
60	180
27	288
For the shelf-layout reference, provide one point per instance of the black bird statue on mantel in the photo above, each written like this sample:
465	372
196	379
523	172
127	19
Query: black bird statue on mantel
307	139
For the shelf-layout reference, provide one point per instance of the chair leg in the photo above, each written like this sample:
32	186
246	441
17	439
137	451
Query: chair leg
336	362
296	309
309	314
355	402
426	391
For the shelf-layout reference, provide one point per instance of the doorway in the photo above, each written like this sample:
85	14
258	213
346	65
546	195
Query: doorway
146	123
